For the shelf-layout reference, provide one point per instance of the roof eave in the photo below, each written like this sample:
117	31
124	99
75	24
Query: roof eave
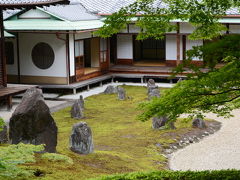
32	5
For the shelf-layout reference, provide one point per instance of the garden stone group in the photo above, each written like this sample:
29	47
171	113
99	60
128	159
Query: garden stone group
32	122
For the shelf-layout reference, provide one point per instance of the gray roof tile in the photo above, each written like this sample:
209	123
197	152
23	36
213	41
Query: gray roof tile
72	12
111	6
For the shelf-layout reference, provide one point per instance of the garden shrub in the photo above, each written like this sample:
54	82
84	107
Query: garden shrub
13	155
177	175
2	123
57	158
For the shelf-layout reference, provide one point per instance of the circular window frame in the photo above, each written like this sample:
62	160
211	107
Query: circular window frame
43	55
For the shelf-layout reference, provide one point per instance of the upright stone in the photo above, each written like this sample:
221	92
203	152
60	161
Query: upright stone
3	135
81	139
77	110
32	123
158	122
198	123
153	90
151	85
110	90
153	93
121	93
81	101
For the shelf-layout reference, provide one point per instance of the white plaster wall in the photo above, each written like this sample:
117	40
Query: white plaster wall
191	43
134	29
71	55
26	43
83	35
234	29
124	47
171	47
12	69
186	28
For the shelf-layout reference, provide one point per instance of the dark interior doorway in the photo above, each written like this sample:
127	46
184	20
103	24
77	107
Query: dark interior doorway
150	50
87	52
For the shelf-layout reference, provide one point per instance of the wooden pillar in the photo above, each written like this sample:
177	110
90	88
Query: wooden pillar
184	38
9	103
178	44
227	25
3	74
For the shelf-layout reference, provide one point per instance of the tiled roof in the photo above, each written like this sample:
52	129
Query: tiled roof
105	6
9	13
71	12
111	6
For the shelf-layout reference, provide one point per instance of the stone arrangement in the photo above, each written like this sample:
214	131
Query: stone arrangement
3	135
110	90
121	93
78	108
198	123
153	90
32	123
81	140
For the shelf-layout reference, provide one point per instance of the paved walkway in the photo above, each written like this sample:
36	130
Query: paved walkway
218	151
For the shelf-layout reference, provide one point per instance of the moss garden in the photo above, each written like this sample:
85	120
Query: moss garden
122	144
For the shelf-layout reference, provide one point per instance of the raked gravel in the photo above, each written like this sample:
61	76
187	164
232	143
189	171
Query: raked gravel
218	151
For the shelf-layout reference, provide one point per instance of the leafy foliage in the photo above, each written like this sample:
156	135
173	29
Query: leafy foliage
2	123
14	155
176	175
217	91
155	20
207	90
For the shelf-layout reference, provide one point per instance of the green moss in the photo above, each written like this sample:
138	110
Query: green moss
122	144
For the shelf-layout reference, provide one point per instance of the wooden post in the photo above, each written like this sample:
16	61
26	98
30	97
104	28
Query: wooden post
178	44
227	25
9	103
2	52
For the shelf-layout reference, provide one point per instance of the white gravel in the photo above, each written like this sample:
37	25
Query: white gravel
218	151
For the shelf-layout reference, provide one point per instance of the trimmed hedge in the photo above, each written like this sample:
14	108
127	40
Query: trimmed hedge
177	175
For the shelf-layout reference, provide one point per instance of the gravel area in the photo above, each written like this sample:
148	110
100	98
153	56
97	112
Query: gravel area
218	151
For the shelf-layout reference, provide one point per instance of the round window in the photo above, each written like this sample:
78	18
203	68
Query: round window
43	55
